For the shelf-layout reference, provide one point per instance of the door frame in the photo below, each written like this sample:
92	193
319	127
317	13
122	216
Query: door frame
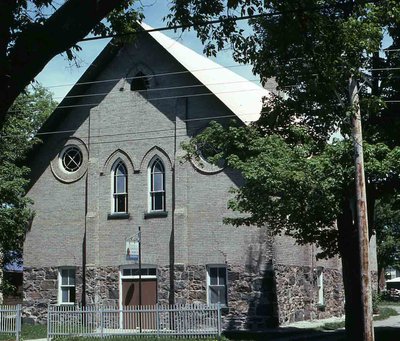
122	277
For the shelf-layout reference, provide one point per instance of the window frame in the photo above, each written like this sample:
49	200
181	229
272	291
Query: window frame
69	285
114	194
152	193
65	164
320	286
209	285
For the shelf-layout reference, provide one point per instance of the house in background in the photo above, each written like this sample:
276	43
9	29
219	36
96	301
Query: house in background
112	161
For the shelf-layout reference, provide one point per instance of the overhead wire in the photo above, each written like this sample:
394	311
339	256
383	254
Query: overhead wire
150	99
162	74
168	98
187	71
205	118
219	20
159	89
182	72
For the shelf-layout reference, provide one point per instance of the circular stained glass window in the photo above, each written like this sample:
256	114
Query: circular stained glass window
72	159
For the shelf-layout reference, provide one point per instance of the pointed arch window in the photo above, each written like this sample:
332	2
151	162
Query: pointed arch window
120	188
140	82
157	185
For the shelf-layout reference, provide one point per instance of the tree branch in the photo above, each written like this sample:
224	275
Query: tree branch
38	44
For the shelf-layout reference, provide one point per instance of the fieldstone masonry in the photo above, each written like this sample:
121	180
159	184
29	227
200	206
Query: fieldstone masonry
255	300
41	289
297	293
102	285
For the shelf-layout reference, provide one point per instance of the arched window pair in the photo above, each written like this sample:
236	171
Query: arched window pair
156	186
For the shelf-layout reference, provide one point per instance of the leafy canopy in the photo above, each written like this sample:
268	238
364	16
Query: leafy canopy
388	233
295	181
32	32
17	138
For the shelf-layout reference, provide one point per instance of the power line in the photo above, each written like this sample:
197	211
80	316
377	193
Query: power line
150	76
205	118
161	89
385	69
176	27
208	118
159	98
219	21
181	72
150	99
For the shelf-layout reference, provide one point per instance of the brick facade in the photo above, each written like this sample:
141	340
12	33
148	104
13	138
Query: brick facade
136	127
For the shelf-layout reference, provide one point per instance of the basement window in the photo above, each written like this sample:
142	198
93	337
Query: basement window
66	286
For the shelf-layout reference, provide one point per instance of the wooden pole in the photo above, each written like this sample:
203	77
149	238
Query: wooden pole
362	216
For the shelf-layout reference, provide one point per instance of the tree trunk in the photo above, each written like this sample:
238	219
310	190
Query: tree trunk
381	279
38	44
349	252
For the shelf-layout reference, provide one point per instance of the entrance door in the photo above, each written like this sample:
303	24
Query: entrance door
133	318
130	292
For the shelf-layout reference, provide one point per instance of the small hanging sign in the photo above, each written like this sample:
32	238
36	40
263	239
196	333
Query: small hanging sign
132	247
132	250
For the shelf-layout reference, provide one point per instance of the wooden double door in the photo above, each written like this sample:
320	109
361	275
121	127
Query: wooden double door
133	317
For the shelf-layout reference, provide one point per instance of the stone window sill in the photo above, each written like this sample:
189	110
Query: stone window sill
116	216
156	214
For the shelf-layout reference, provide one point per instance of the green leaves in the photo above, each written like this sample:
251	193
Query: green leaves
294	181
387	224
17	138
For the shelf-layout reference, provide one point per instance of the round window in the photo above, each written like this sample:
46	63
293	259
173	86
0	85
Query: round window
72	159
202	160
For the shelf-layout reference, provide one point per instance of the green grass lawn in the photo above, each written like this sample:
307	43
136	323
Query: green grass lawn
29	331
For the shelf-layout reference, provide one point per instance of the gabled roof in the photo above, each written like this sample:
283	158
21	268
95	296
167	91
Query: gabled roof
241	96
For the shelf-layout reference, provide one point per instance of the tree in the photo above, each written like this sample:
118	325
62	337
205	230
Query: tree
387	225
17	138
294	180
32	32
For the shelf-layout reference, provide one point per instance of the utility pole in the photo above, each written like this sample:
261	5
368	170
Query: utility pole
362	216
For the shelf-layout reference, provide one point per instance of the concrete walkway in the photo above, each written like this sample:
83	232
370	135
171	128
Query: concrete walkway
392	324
392	321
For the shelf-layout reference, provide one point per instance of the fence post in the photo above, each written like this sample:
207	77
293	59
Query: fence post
158	321
101	323
18	322
48	321
219	320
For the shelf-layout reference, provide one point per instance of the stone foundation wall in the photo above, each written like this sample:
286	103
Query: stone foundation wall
297	293
41	289
256	299
251	300
102	285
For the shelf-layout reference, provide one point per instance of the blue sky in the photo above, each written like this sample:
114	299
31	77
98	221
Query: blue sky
59	74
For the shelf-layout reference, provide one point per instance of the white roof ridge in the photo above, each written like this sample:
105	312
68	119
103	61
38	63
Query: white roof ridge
241	96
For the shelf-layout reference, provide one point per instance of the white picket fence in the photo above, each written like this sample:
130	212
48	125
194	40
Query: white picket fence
10	320
192	320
